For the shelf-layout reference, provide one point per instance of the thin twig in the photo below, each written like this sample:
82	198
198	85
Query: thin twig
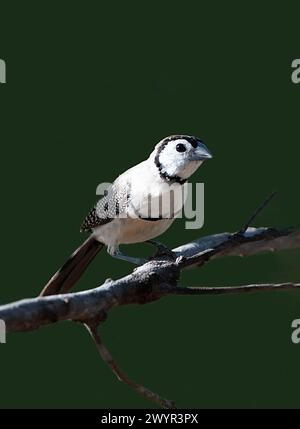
170	290
232	241
257	211
107	357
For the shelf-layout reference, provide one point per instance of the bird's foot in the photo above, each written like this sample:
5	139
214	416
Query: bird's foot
162	250
131	259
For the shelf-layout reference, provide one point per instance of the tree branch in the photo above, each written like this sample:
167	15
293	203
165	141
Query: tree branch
221	290
155	279
253	241
107	357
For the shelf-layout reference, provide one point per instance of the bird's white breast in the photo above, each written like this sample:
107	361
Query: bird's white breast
141	181
128	230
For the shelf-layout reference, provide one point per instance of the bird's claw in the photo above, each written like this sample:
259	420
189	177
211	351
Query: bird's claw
162	250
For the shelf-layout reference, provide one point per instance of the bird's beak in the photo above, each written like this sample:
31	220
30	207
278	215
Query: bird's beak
201	152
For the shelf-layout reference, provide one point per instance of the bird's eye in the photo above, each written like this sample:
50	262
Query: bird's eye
180	147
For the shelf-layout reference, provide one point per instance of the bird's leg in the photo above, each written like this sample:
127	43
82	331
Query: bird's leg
131	259
115	253
162	249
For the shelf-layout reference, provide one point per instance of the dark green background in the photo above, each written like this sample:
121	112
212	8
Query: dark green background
90	90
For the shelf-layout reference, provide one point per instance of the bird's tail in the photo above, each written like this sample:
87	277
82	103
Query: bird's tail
65	278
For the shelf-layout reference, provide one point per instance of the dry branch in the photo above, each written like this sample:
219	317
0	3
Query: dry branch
155	279
107	357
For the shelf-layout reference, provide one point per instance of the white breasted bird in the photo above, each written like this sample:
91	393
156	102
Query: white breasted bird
122	215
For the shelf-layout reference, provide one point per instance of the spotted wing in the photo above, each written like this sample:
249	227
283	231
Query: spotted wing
110	206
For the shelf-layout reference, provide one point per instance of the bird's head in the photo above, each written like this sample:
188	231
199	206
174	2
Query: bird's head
178	157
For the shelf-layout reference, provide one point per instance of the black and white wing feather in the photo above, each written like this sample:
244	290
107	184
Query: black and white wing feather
113	203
